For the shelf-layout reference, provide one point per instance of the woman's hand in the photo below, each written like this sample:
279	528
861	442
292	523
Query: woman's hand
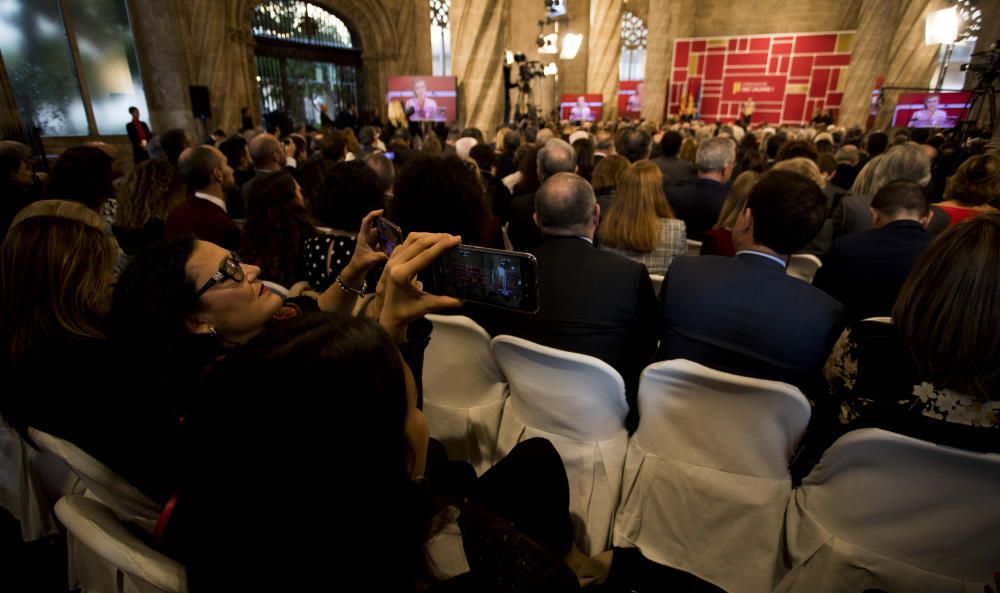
366	252
404	299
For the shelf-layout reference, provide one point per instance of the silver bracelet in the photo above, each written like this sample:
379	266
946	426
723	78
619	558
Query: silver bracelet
349	290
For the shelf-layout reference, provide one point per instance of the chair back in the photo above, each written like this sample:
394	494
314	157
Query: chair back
883	510
464	390
706	479
108	487
694	247
98	530
804	266
578	403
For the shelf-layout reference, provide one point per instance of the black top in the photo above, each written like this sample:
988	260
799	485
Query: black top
698	204
675	170
524	234
133	241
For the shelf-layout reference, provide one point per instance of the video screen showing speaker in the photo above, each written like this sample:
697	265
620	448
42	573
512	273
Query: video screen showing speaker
930	109
630	98
424	98
585	107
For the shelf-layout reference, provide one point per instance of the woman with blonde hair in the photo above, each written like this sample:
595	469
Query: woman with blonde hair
640	224
145	197
719	239
689	150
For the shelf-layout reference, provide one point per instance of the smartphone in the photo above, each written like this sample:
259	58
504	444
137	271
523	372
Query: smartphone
389	155
389	235
505	279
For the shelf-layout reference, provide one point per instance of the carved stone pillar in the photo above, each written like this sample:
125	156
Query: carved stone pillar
604	46
161	44
478	32
667	20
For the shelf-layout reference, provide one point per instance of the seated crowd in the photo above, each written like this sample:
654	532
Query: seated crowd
226	299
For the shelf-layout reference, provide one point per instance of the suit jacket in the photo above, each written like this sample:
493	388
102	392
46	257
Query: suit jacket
675	170
524	234
592	302
698	204
505	164
139	153
745	315
204	220
865	270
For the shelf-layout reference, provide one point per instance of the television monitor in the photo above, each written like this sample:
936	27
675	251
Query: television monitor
581	106
930	109
425	98
630	97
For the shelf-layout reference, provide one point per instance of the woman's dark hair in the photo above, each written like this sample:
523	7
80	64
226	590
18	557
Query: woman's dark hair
314	174
349	193
440	195
235	148
276	225
82	174
948	309
333	145
584	149
357	366
976	182
151	304
527	166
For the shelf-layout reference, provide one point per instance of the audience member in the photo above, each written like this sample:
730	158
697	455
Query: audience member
972	188
634	144
277	229
172	143
865	270
744	314
640	224
719	238
506	162
204	213
18	183
145	198
584	149
500	197
698	204
675	170
607	175
555	157
82	174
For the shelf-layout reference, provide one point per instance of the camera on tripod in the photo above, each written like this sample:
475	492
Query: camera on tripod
985	63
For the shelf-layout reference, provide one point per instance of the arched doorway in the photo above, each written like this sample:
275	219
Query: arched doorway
306	56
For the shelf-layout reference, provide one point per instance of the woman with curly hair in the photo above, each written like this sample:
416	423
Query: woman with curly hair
971	189
276	228
145	197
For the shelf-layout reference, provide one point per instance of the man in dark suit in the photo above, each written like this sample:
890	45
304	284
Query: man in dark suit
486	159
208	176
675	171
555	157
604	144
591	301
698	203
865	270
744	314
138	135
505	162
268	155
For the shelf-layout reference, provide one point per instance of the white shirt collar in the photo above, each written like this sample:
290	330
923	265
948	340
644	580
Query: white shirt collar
767	255
587	239
218	202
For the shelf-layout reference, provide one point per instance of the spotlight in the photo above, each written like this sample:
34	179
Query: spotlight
571	45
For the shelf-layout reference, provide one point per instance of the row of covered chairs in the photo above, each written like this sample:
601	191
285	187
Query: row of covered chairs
703	484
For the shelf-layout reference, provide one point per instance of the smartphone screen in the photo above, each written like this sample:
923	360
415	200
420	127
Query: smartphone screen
389	235
389	155
506	279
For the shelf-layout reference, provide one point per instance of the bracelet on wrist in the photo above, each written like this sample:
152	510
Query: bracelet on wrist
355	291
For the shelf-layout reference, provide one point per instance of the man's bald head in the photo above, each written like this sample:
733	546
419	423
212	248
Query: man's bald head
556	156
198	165
566	205
543	136
266	152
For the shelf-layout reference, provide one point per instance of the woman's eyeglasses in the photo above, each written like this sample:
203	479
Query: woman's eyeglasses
230	269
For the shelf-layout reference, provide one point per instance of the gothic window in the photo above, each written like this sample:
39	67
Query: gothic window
300	22
633	57
440	37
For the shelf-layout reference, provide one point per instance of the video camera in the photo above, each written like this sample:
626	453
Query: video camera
986	64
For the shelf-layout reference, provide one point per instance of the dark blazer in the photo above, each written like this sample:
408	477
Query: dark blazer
524	234
592	302
139	153
745	315
675	170
204	220
500	196
698	204
505	164
865	271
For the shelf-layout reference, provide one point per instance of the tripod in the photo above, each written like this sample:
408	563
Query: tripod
524	106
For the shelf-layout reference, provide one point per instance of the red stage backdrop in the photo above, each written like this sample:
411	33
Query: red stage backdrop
440	90
788	75
594	101
630	98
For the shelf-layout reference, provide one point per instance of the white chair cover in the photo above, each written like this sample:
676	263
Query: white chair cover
143	569
886	511
464	390
103	484
578	403
804	266
657	283
706	477
30	483
694	247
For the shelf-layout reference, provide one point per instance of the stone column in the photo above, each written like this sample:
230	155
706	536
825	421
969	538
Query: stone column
419	37
870	59
604	49
478	32
667	20
574	75
161	46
